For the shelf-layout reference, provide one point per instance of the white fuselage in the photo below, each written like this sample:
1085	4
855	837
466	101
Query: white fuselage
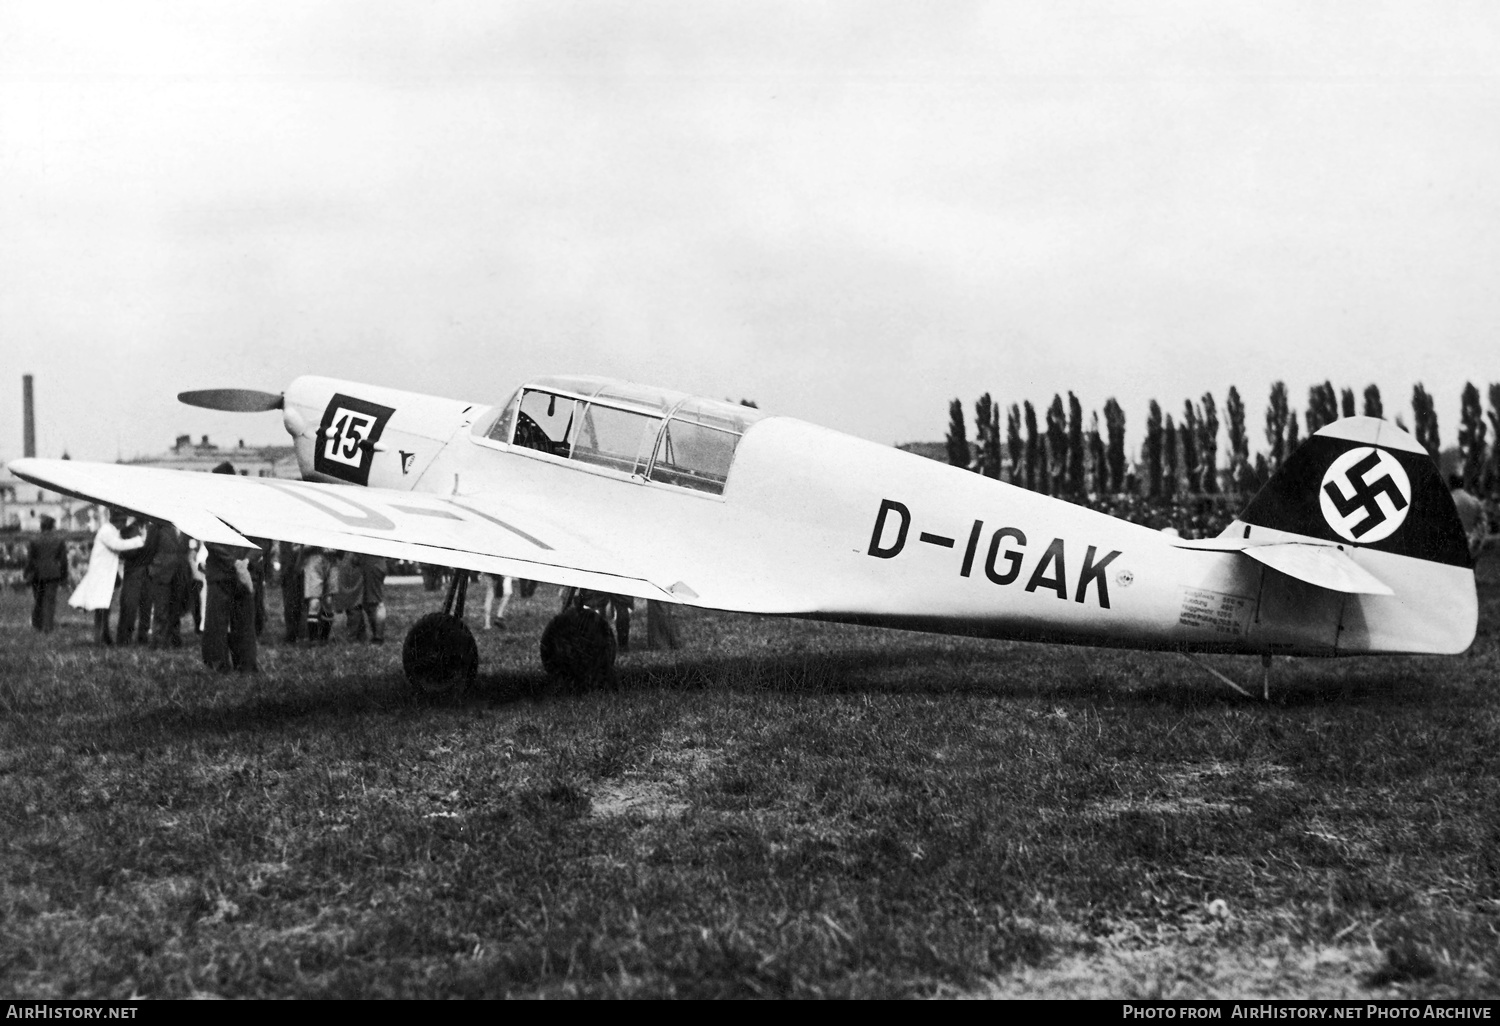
815	523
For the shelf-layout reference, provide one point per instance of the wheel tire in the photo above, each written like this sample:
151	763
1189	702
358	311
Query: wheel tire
578	649
439	655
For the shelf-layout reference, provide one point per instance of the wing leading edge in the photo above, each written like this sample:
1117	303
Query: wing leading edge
469	532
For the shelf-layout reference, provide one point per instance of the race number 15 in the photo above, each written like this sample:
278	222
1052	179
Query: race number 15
346	431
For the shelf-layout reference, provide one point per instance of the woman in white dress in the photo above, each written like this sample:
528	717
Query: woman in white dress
97	589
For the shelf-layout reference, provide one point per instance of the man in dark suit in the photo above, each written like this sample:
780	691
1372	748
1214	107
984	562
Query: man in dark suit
229	575
46	569
229	615
135	601
170	578
291	590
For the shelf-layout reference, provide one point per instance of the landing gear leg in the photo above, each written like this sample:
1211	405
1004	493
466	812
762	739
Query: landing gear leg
439	655
1265	680
458	591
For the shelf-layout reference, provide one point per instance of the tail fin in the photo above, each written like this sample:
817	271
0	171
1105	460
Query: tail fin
1364	482
1365	485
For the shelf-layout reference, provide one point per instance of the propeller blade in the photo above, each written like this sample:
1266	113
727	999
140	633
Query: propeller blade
232	400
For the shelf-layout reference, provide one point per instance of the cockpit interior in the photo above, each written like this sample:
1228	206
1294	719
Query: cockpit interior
649	433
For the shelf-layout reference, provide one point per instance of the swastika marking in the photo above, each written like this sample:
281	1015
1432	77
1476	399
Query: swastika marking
1365	495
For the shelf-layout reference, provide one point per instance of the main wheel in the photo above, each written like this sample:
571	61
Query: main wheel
439	655
578	649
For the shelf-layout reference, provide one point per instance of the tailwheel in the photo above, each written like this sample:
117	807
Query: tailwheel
578	649
440	656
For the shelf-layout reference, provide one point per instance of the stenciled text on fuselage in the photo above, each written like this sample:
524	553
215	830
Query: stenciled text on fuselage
1001	559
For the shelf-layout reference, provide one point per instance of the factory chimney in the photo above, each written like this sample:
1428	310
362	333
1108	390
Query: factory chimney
28	412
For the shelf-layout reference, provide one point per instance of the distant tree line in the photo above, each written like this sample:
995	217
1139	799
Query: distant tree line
1057	454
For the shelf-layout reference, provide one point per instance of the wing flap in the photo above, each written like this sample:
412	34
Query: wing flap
472	533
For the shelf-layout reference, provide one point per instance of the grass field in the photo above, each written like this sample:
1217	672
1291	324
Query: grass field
779	809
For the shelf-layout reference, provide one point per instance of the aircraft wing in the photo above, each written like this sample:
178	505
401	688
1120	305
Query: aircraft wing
468	532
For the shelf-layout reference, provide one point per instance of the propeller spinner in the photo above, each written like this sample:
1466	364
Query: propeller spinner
232	400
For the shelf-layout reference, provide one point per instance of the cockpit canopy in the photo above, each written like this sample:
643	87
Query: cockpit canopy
652	433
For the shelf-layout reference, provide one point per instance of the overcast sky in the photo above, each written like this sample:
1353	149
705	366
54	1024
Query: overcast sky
850	212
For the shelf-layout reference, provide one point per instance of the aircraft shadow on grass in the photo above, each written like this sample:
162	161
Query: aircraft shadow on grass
1059	674
1071	677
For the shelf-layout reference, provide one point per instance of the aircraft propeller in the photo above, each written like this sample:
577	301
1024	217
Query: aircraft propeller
233	400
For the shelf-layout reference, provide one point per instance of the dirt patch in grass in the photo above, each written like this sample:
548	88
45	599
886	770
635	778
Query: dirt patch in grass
660	787
1181	969
647	799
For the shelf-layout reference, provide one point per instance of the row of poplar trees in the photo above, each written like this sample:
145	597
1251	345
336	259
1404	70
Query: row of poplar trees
1181	457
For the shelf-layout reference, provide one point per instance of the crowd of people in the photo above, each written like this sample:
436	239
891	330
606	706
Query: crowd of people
152	576
1195	517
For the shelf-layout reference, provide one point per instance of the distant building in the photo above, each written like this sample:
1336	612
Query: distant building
204	456
23	504
932	450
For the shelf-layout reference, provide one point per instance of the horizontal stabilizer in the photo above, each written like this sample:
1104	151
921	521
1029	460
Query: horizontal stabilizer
1326	566
1320	565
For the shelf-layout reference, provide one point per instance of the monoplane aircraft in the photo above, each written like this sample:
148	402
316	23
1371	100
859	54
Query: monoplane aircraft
1352	548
